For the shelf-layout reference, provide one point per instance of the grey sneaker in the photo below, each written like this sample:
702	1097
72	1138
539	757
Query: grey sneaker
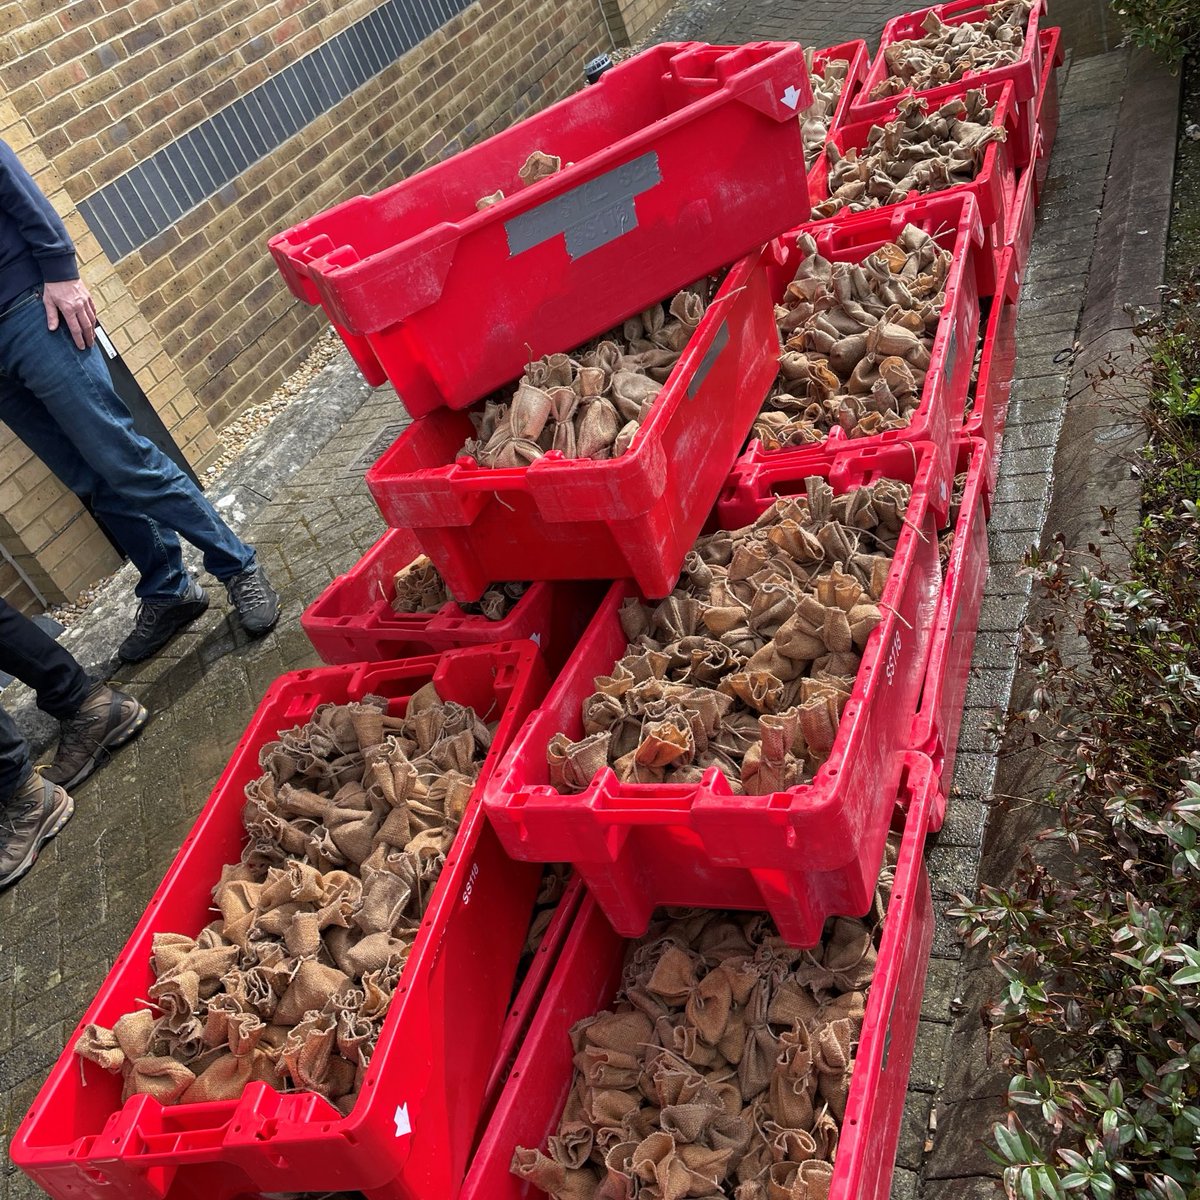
105	720
158	621
256	601
32	817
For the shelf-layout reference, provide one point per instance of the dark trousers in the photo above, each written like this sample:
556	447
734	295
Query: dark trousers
38	661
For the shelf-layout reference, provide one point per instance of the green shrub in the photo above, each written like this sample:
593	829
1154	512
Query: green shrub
1097	938
1169	28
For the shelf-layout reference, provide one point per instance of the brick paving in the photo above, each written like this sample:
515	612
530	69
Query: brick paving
61	928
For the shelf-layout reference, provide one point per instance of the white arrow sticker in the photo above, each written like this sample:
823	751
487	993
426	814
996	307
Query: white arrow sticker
403	1124
792	96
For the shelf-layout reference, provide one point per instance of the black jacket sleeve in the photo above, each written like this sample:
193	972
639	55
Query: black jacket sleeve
40	226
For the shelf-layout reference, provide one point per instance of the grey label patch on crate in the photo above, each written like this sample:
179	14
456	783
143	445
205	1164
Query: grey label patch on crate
588	216
719	342
376	446
951	354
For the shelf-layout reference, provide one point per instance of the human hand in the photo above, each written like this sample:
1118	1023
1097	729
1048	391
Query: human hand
74	302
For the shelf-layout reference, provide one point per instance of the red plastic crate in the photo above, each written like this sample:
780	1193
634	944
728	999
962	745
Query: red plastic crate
803	854
636	515
683	158
523	1009
996	365
1025	74
588	974
436	1051
352	620
939	718
1047	103
859	58
954	223
993	187
1022	219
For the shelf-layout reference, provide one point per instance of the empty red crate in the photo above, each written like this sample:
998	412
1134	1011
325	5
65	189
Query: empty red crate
856	55
1047	102
676	162
559	518
588	975
803	854
993	187
352	620
1025	74
953	221
993	385
435	1054
935	731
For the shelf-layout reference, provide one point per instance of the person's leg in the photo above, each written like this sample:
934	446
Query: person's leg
104	721
155	551
171	598
95	718
32	809
75	390
31	655
14	759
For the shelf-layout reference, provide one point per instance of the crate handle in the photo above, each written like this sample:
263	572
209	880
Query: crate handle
953	8
696	57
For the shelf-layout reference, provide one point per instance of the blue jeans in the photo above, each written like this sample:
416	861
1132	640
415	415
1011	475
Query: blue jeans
60	402
38	661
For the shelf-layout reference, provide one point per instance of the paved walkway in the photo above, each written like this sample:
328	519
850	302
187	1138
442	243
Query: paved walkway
60	929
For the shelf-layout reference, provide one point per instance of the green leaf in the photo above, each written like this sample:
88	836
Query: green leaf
1169	1188
1096	1095
1175	1064
1008	1142
1048	1179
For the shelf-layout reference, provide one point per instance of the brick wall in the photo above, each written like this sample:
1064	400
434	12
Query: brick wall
630	20
183	133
